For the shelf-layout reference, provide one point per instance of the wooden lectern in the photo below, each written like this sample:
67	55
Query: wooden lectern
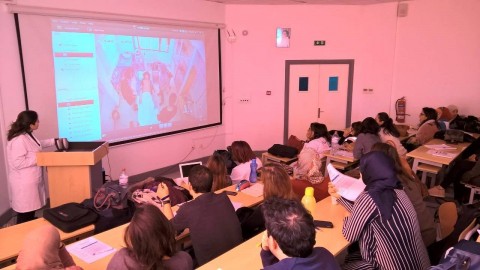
74	175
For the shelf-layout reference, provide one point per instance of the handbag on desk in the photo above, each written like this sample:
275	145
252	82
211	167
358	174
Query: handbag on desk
110	195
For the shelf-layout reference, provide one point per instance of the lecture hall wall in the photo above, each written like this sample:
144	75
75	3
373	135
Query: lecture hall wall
430	57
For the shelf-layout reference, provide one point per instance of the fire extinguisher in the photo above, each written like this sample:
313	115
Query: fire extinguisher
400	109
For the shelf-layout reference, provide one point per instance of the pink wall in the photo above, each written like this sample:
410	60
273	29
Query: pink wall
437	61
430	56
254	64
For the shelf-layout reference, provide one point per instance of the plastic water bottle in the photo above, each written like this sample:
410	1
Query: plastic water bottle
253	171
308	200
335	140
123	179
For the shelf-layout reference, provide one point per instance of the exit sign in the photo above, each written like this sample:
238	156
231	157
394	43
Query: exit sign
319	43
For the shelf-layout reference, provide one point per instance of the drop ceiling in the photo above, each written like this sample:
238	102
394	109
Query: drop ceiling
302	2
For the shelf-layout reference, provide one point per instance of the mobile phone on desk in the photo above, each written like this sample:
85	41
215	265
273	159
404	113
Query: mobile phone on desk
232	193
323	224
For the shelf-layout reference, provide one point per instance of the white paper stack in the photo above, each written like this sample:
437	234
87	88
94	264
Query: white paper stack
348	187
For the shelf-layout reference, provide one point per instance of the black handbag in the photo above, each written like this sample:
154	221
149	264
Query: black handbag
70	217
281	150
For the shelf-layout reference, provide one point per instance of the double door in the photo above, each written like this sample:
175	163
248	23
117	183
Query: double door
317	91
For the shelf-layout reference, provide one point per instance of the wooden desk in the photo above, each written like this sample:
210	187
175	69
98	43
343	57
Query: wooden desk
267	158
247	255
420	155
12	237
346	161
114	237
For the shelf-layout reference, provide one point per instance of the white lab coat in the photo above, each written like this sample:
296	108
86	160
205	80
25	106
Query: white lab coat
25	179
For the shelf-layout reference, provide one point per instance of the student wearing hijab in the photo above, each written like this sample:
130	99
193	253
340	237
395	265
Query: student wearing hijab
383	220
42	249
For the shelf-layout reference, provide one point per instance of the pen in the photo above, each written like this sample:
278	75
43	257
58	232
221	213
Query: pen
88	245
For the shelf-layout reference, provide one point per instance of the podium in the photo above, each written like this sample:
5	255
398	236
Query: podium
74	175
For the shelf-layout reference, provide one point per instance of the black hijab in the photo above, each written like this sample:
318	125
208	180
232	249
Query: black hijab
379	176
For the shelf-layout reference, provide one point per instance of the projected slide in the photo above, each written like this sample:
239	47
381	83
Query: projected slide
119	82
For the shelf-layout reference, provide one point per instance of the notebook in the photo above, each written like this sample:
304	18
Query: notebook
186	167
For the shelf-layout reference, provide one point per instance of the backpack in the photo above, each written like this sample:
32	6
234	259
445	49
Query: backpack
464	255
70	217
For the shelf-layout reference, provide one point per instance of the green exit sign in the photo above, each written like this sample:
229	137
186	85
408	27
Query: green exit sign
319	43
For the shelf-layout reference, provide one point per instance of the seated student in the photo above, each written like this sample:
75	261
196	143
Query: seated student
307	172
216	164
211	219
150	244
427	128
242	154
367	138
443	117
276	183
382	219
389	133
415	191
288	242
350	135
318	138
42	249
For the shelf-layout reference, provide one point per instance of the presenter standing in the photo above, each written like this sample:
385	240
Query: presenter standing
25	179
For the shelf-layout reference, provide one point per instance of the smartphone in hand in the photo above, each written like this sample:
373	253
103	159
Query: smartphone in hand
323	224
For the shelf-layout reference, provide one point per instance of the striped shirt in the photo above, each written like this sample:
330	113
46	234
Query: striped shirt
392	244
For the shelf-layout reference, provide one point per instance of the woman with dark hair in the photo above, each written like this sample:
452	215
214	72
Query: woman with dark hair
427	128
216	164
318	138
150	244
383	220
25	178
350	136
389	133
367	138
415	191
242	154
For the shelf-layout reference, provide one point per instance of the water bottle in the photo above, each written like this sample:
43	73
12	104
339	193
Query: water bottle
123	179
335	140
308	200
253	171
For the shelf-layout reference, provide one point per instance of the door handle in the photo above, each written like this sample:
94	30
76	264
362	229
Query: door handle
319	111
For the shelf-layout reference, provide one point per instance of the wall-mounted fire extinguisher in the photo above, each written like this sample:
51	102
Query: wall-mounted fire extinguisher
401	109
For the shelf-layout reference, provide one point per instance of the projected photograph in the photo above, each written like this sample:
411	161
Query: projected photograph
116	87
153	81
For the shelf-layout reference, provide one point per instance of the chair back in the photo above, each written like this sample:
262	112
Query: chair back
447	217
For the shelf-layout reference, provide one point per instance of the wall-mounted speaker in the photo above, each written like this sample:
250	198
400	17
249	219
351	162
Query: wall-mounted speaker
402	9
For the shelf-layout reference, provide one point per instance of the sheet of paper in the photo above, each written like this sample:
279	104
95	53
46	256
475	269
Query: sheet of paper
255	190
344	153
90	249
439	153
440	147
348	187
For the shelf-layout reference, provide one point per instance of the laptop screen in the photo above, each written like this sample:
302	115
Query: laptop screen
186	167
